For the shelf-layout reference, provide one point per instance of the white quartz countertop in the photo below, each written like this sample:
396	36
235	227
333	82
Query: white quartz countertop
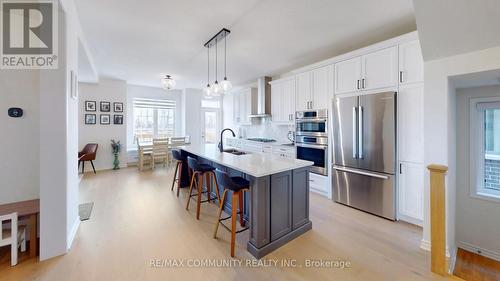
254	164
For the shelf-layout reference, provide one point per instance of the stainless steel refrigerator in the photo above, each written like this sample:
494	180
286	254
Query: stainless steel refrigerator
364	153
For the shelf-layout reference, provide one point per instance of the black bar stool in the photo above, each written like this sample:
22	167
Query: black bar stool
176	154
237	185
200	170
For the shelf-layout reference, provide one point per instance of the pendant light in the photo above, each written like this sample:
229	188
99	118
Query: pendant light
208	90
225	84
216	88
167	82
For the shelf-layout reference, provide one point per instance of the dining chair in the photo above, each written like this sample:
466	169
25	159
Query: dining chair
160	151
15	236
88	153
174	143
145	155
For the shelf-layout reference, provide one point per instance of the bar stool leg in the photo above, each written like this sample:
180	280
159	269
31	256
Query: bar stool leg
240	207
190	190
233	220
175	175
200	190
216	187
209	187
179	178
221	206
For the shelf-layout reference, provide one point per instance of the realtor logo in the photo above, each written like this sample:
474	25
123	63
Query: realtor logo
29	34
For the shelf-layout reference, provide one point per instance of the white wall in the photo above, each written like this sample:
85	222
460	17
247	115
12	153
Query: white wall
477	224
107	90
19	168
135	91
191	122
439	122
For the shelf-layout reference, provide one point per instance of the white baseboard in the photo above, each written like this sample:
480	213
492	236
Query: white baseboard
480	251
72	233
426	246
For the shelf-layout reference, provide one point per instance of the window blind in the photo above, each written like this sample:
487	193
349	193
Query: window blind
154	103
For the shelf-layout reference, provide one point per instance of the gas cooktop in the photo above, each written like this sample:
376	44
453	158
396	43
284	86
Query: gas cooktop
261	139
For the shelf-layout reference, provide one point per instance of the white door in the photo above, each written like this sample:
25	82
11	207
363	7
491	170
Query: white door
288	100
410	193
277	101
380	69
320	93
348	76
411	123
210	120
411	64
303	96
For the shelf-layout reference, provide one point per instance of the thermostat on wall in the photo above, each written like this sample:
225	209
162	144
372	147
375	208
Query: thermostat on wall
15	112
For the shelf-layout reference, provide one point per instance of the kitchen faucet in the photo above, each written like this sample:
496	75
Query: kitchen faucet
221	146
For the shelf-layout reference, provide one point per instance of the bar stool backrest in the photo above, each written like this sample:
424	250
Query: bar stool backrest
176	154
223	179
193	163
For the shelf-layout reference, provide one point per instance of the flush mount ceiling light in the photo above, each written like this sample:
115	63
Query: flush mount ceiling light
217	89
167	82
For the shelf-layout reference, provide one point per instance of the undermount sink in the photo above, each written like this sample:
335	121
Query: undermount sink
234	151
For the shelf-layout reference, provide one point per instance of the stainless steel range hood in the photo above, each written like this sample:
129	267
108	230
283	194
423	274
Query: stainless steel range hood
263	98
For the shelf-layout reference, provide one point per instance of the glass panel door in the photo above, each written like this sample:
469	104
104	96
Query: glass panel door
211	126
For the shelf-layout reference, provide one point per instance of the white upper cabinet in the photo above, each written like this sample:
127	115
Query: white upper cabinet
348	76
314	88
411	123
283	100
304	88
380	69
276	102
376	70
411	64
321	87
244	103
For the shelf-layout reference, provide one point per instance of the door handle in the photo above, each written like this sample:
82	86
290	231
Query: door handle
364	173
354	133
363	84
401	76
360	132
357	84
311	104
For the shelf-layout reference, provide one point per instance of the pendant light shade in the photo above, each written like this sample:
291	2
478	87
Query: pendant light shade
225	84
167	82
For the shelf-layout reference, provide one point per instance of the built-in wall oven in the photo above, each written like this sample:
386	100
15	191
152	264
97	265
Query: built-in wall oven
312	138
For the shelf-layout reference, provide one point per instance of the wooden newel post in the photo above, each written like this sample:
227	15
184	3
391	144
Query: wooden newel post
438	219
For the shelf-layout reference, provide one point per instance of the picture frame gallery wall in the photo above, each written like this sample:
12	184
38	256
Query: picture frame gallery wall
105	110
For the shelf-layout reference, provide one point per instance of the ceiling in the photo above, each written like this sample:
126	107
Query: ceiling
139	41
451	27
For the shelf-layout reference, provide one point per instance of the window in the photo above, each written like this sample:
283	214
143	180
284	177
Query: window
485	148
153	118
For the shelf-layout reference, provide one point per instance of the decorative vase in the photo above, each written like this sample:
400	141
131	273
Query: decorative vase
116	163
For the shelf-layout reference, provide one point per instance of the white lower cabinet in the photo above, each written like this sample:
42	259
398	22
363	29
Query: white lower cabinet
410	192
319	184
288	152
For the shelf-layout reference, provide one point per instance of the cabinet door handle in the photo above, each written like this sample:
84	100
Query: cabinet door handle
401	76
400	168
311	104
357	84
363	84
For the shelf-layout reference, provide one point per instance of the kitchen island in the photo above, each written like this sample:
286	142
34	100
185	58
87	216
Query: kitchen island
277	208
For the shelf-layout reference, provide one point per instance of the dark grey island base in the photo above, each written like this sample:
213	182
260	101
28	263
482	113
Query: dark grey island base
276	208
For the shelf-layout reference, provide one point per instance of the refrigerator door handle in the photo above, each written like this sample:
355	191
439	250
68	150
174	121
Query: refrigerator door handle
354	133
360	132
359	172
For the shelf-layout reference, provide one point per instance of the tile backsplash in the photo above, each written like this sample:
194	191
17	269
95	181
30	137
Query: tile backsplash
265	129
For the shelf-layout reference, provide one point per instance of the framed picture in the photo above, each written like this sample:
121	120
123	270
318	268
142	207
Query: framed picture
105	106
118	107
118	119
74	85
105	119
90	119
90	105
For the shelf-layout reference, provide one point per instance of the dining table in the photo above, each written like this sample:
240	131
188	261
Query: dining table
28	209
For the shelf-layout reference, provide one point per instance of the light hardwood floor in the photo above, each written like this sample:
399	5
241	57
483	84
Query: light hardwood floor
136	218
